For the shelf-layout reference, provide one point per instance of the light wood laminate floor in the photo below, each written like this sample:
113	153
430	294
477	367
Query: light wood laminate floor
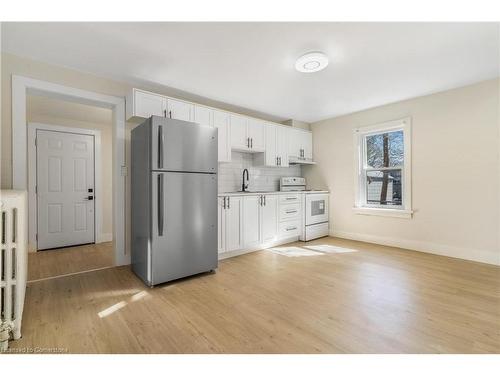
376	299
57	262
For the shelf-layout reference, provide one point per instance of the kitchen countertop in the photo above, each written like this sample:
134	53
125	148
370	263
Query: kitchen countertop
240	193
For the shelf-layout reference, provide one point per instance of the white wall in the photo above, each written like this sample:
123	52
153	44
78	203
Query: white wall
455	154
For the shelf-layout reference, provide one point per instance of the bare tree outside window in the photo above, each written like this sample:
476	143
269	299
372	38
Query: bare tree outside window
384	161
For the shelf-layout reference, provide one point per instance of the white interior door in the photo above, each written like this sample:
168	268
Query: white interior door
65	189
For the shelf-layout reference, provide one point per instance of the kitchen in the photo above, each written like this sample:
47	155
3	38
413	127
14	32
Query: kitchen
258	210
272	196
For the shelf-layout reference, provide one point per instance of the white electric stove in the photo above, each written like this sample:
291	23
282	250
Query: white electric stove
315	220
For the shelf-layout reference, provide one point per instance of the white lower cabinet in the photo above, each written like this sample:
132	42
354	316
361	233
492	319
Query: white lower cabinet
253	222
289	228
290	215
269	218
230	236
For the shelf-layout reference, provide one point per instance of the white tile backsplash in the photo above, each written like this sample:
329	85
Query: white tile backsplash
261	178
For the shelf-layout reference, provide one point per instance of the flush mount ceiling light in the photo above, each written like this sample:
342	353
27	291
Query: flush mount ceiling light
311	62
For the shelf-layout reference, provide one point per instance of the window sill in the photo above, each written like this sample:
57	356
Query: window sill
407	214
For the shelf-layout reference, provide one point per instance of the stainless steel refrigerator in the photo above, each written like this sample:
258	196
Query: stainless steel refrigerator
174	199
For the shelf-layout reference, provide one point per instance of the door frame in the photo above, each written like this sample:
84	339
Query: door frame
21	87
99	236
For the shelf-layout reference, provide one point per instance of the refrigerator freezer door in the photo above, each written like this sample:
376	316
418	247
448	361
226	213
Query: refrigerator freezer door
184	225
183	146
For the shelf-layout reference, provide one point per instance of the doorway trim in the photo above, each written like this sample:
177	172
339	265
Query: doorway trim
99	236
21	87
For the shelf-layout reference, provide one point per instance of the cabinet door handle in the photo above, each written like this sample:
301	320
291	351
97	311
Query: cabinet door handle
170	114
291	211
265	202
291	228
261	200
164	113
228	203
280	160
290	198
277	160
251	142
224	203
248	142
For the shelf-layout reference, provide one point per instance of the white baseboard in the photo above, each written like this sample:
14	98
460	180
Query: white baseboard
235	253
476	255
104	237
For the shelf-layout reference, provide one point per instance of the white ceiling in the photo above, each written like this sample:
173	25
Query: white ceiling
252	64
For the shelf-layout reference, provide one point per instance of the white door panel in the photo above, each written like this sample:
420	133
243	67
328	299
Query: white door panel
148	104
257	134
269	212
271	155
282	145
251	220
203	115
65	172
233	224
221	122
180	110
239	137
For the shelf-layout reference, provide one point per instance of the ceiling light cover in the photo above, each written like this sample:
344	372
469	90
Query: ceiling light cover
311	62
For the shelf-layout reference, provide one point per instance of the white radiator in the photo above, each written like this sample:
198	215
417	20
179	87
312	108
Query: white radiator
13	258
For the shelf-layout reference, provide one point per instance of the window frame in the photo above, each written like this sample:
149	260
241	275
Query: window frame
361	206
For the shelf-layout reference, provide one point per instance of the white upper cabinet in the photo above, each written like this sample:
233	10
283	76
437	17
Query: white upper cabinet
282	139
270	158
300	145
239	138
276	146
256	131
247	134
145	104
221	121
180	110
203	115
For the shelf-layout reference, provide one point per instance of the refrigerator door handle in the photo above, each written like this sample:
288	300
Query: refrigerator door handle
160	204
160	147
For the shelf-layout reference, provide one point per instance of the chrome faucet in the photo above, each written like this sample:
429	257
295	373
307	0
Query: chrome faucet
244	186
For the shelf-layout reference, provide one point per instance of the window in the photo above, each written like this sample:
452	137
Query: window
383	180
